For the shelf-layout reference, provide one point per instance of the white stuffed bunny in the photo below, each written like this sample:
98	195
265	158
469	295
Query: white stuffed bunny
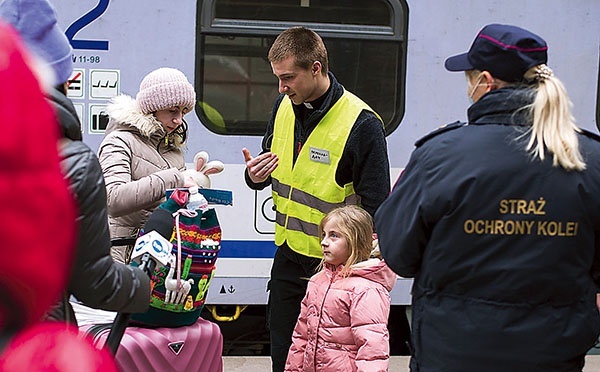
202	169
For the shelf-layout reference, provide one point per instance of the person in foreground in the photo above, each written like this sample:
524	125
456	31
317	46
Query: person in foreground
497	220
343	317
326	145
38	230
95	279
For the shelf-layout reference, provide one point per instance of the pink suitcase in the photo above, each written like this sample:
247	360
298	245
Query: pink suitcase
197	347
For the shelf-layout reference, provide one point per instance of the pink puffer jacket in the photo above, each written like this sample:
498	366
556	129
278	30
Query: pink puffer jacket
343	321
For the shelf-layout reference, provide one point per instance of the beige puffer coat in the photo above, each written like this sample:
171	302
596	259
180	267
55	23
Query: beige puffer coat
139	162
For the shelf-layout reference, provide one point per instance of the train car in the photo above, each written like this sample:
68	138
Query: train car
388	52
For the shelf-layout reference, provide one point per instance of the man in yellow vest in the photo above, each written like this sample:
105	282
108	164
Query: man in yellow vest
323	148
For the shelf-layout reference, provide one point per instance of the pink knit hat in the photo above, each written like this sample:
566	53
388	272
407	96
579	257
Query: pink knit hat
164	88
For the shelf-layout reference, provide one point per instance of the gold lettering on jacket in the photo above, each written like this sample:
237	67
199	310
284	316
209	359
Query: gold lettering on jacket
522	226
519	206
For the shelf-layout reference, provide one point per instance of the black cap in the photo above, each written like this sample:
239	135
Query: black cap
506	51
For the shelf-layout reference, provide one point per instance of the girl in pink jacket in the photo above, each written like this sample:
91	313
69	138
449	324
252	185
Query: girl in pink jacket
343	318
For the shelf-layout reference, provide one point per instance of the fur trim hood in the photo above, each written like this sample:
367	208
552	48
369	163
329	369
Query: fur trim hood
125	114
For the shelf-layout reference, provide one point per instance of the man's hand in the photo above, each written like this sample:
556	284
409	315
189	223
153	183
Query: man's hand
260	167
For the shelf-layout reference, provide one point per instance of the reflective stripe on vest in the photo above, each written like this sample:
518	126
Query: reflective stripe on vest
305	191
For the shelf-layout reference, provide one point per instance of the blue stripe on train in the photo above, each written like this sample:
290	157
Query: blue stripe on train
247	249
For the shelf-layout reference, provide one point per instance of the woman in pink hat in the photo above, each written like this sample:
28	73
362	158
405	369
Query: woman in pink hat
141	153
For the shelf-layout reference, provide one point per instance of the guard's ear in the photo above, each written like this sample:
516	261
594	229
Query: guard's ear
489	81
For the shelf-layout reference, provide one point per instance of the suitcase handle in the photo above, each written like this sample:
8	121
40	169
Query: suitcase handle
117	330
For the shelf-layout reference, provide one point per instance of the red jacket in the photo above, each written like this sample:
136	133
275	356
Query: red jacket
37	211
343	321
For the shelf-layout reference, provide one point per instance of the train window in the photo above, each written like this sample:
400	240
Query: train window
335	12
234	82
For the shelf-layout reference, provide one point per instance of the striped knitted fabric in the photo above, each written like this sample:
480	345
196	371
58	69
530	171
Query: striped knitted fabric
200	245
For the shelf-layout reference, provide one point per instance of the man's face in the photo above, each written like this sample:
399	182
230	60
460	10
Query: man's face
299	84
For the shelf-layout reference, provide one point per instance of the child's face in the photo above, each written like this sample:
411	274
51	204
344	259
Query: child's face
334	244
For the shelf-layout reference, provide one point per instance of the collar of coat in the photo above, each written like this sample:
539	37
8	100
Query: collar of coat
66	114
373	269
359	265
125	114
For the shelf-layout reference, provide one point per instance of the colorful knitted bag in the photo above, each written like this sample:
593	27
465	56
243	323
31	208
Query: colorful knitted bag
196	252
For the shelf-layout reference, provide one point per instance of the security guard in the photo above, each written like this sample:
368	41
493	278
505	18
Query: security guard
497	220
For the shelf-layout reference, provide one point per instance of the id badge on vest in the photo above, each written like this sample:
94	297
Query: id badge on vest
319	155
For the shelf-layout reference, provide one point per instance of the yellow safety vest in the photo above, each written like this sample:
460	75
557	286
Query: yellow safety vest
305	191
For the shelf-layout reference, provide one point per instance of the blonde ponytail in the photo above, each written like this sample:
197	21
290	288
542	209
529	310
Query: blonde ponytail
553	126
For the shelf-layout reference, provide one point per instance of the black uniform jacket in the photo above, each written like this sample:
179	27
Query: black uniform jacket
503	247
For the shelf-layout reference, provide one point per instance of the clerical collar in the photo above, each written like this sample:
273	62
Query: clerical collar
317	103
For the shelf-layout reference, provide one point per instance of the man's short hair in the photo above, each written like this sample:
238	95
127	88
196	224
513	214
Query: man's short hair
305	45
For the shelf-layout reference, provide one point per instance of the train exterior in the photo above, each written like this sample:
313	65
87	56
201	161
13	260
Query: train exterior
389	52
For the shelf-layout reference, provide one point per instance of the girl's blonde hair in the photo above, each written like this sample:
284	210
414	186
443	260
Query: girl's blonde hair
356	225
553	127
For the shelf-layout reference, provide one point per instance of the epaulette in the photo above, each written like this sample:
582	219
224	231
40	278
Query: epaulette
442	129
589	134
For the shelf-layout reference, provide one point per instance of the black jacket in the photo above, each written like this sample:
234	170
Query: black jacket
96	280
503	247
364	161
